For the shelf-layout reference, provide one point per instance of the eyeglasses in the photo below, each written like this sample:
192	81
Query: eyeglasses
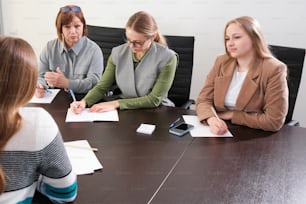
67	9
136	43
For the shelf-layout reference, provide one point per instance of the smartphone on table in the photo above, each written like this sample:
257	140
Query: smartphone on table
180	129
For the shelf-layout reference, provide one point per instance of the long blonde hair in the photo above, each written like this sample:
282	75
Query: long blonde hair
254	31
18	78
142	22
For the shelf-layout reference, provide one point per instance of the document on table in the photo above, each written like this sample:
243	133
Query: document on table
82	157
48	97
201	130
86	116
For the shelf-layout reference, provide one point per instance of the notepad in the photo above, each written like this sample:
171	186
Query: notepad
145	128
82	157
201	130
48	97
87	116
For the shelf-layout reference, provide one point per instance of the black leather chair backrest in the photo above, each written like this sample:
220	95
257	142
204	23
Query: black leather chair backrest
106	38
294	59
109	37
180	90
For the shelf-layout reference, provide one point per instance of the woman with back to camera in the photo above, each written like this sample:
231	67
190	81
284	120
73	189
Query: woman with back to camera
72	61
247	85
32	152
143	68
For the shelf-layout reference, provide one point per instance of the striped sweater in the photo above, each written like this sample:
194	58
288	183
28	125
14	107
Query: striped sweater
35	159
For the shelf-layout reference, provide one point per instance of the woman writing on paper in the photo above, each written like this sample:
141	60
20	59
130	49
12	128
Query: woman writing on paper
247	85
143	69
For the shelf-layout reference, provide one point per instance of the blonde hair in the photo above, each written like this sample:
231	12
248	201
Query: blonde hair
142	22
252	28
18	78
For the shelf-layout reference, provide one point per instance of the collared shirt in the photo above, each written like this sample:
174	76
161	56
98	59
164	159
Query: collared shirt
82	64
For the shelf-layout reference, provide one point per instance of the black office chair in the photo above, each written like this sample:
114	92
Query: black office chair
294	59
109	37
180	90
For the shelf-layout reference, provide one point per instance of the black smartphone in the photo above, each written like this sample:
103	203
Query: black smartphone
180	129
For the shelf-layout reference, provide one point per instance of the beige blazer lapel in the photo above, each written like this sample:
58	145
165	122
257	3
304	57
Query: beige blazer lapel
249	86
222	83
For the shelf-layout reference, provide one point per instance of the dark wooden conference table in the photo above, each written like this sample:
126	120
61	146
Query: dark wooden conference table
252	167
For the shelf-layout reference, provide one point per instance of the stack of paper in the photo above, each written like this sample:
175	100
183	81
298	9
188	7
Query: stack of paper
146	128
82	157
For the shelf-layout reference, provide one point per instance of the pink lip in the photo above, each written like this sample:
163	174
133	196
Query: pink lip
232	50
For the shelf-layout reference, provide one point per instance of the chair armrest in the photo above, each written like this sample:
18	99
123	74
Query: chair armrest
188	104
293	123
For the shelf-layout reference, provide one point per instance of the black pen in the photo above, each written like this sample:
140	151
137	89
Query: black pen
174	123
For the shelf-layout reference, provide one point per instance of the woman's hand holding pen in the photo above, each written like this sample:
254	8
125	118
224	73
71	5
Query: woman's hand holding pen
57	79
40	91
217	125
77	106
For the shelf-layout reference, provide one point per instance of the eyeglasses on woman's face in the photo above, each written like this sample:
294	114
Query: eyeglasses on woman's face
67	9
136	43
137	40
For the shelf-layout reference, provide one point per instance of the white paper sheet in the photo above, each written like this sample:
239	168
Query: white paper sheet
82	157
201	130
86	116
48	97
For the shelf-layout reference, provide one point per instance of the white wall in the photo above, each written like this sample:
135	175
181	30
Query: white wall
1	20
283	22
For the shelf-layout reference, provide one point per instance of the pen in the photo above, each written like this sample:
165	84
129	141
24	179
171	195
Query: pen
214	111
72	95
173	123
81	147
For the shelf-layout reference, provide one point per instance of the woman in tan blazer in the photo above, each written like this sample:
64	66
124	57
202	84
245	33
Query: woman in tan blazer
247	85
